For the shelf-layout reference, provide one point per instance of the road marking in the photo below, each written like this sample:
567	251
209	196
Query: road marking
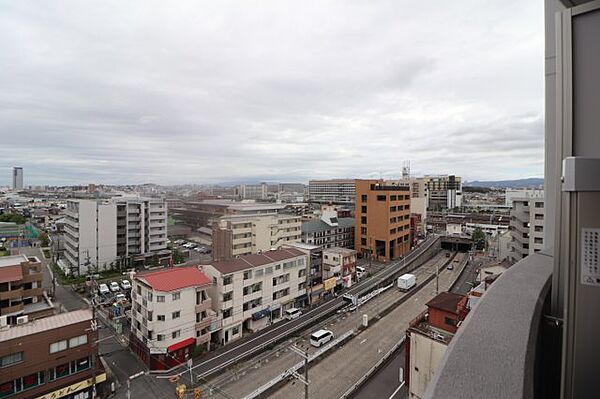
396	391
363	341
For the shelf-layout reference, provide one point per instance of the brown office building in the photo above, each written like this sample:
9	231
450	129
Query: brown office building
382	218
52	357
21	290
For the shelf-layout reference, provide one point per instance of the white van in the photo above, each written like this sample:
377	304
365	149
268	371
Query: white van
293	313
320	338
360	272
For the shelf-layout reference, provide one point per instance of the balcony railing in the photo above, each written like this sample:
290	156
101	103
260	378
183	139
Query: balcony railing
496	352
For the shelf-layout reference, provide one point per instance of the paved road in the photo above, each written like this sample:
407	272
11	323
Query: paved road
259	370
255	342
465	281
339	371
386	381
63	295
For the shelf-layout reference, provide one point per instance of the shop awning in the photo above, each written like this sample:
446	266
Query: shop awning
182	344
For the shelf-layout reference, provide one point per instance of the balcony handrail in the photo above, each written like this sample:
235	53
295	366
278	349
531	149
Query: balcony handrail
496	347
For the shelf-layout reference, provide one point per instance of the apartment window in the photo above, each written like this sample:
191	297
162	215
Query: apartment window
160	337
393	231
363	198
160	317
363	241
149	296
139	290
175	315
407	197
258	273
58	346
78	341
227	280
247	274
11	359
363	219
160	298
301	273
381	198
227	313
235	330
393	198
227	296
539	204
269	270
363	230
176	334
539	229
176	296
393	208
539	216
538	240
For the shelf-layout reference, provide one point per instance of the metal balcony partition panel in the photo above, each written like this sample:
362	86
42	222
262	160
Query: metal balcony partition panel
496	352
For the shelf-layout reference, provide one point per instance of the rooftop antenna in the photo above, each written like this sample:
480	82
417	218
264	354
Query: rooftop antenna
406	170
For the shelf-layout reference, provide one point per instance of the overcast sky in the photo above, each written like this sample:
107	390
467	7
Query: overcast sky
193	92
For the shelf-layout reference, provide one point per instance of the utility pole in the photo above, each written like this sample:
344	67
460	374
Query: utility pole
437	278
304	380
95	328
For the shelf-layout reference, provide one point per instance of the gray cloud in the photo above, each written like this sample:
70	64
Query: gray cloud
144	91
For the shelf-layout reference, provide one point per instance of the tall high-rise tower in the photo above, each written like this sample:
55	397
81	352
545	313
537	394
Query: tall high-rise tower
17	178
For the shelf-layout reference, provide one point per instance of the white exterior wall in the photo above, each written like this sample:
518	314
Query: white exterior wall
260	274
146	224
425	356
527	225
260	233
185	323
90	232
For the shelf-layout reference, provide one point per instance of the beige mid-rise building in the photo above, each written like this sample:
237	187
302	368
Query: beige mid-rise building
252	291
238	235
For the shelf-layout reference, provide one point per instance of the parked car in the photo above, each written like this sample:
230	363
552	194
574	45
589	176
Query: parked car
114	286
293	313
126	285
103	289
120	298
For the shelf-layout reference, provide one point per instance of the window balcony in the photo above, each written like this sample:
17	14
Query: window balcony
501	349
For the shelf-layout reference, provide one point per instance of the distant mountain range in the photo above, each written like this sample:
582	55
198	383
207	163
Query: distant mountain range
533	182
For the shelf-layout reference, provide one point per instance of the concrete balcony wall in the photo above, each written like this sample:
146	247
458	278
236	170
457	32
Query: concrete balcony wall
12	294
495	352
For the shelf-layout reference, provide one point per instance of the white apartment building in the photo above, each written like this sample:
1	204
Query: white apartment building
129	230
338	191
252	291
511	193
254	191
527	225
171	314
141	228
89	236
238	235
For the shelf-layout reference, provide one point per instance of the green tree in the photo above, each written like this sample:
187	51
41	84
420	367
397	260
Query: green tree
479	239
44	240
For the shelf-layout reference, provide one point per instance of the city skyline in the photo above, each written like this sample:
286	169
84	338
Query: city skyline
116	93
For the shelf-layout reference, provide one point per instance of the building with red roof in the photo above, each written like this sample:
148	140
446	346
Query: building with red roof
171	315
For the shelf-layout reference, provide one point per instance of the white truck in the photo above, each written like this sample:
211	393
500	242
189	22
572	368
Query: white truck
406	282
